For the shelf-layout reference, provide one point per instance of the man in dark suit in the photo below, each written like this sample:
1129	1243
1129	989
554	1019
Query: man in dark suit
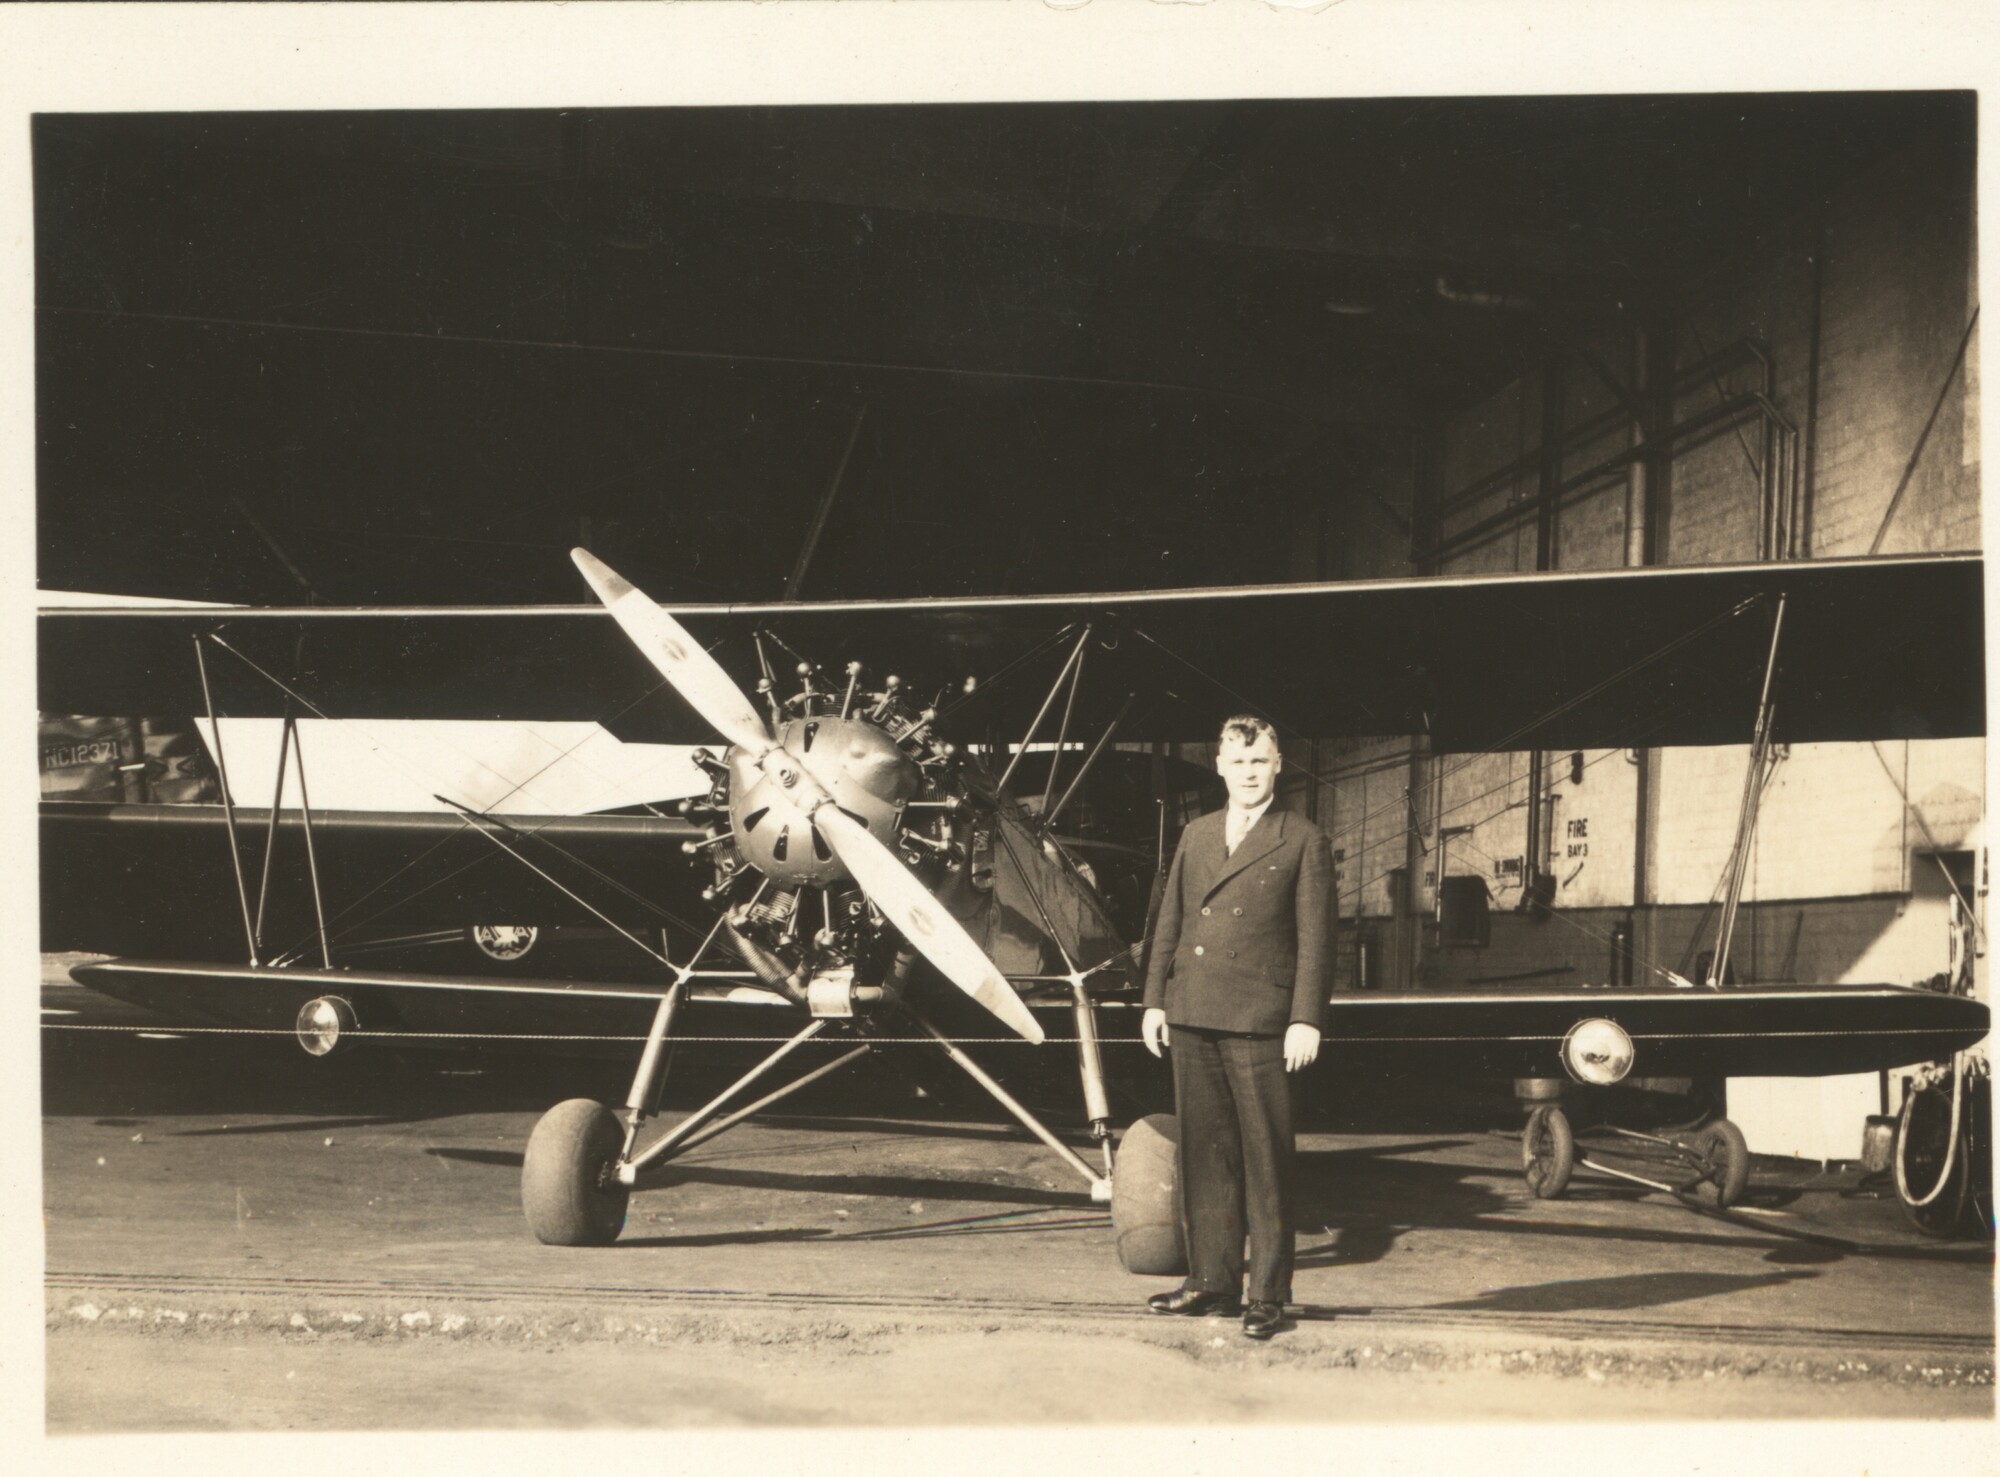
1242	954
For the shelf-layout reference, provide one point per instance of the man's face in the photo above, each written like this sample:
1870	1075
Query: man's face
1249	770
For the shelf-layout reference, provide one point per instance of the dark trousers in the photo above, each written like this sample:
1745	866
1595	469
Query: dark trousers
1234	1101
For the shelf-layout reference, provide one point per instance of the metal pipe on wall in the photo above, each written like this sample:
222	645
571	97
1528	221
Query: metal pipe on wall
1780	484
1721	362
1686	436
1635	471
1653	352
1637	523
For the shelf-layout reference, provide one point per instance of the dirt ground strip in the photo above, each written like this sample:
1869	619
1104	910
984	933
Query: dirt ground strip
359	1364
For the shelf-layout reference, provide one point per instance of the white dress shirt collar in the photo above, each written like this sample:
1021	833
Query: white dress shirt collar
1236	823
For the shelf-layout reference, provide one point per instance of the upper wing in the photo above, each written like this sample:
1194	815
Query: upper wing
1873	648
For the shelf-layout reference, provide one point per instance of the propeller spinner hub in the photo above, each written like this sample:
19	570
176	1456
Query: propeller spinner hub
852	760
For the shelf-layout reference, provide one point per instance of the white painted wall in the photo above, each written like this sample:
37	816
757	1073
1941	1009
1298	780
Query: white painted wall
1833	822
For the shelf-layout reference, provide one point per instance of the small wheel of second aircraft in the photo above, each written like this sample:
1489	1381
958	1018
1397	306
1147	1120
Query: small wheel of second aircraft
567	1186
1548	1152
1723	1157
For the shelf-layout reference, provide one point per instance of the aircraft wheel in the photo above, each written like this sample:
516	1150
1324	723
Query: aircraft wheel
505	944
567	1188
1145	1198
1724	1160
1548	1152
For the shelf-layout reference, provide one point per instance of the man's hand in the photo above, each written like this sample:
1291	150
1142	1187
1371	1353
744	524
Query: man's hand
1301	1045
1153	1030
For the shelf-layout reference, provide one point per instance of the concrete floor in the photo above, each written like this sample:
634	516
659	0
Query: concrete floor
358	1223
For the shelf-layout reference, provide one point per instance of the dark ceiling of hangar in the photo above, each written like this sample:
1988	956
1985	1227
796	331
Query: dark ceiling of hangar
414	356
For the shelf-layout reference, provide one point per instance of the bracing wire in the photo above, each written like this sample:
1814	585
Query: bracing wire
983	684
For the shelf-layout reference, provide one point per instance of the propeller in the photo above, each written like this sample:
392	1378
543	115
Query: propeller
909	905
905	901
680	658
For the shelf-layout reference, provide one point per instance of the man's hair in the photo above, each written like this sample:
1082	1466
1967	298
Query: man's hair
1246	729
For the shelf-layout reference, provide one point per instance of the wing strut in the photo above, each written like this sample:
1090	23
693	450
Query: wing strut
1756	773
312	856
1103	740
228	803
291	756
1069	668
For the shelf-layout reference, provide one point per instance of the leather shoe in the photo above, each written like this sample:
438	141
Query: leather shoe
1193	1302
1261	1320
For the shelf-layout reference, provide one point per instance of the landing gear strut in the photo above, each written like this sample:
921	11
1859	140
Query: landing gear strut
580	1165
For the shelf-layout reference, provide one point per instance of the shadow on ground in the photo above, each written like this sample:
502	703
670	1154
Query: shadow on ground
1640	1290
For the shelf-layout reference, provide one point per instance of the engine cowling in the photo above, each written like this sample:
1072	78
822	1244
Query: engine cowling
854	761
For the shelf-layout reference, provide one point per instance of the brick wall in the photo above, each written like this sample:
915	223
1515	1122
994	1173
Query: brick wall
1895	292
1890	263
1594	829
1488	792
1491	435
1590	531
1898	284
1366	820
1767	298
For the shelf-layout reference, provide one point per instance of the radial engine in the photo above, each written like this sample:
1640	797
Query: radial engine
793	910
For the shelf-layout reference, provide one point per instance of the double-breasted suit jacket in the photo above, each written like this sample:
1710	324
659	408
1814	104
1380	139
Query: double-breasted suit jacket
1244	942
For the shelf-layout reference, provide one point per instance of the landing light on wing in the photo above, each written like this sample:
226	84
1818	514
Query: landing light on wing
1597	1051
325	1025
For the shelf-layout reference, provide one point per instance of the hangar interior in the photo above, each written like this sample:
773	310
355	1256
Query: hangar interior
1013	349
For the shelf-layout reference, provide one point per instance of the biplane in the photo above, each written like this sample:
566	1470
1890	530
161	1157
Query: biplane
900	857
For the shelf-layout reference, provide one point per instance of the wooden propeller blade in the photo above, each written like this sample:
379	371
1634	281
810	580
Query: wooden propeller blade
905	901
669	646
931	930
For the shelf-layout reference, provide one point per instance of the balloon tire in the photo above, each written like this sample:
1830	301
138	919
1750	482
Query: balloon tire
1725	1156
1548	1152
1145	1198
567	1191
